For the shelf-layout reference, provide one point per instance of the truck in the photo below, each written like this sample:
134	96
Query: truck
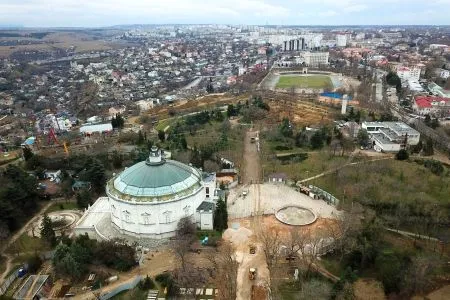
252	273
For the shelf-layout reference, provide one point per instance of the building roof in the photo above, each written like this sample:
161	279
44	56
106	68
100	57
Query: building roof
206	206
427	101
96	128
335	95
277	175
155	179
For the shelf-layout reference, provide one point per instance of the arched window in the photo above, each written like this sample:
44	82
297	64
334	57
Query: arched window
167	217
126	216
187	210
146	218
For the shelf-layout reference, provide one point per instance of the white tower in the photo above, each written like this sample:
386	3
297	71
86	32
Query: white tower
344	104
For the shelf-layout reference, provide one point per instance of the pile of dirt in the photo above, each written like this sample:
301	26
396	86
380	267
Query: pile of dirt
237	236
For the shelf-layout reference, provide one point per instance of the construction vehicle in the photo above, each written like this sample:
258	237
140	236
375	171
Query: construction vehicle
304	189
252	249
252	273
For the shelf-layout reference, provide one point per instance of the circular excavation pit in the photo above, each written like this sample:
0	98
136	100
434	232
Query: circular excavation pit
295	215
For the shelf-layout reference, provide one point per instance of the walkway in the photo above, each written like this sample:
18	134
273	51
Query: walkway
14	237
341	167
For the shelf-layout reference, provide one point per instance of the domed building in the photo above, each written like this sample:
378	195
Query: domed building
148	199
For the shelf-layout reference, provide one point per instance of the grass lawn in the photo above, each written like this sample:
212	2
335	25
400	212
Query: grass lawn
332	264
164	123
62	206
210	133
2	264
315	164
305	81
388	182
26	243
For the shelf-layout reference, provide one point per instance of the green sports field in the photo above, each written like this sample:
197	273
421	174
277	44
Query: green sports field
305	81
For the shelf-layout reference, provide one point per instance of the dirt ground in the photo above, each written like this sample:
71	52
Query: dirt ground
368	289
241	239
440	294
154	263
62	40
252	165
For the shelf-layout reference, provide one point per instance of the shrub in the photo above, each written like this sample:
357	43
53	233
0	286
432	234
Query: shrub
434	166
402	155
164	279
146	284
34	264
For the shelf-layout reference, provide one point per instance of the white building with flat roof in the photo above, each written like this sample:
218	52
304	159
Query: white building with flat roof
315	59
391	136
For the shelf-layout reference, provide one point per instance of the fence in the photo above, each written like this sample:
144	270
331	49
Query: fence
327	197
8	281
121	288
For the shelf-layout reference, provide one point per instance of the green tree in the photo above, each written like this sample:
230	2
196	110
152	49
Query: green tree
27	153
428	147
47	232
34	264
196	158
84	198
95	174
117	122
117	159
161	135
402	155
141	138
221	216
390	267
427	120
147	284
434	123
393	79
363	137
316	140
231	111
301	139
286	128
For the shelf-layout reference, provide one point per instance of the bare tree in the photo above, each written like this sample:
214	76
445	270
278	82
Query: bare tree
271	243
344	231
225	268
185	236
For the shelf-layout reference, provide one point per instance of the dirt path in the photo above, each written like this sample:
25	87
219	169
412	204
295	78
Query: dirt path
343	166
13	238
252	165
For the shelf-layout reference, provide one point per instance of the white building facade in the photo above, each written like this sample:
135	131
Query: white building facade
148	199
391	136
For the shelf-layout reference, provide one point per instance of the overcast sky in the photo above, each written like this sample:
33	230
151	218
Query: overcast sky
86	13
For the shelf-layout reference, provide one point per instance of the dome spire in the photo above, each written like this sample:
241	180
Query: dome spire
156	157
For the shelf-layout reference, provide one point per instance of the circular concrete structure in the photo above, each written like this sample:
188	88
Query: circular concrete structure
149	198
295	215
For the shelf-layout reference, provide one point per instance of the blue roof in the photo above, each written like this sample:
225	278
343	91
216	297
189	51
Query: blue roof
30	140
334	95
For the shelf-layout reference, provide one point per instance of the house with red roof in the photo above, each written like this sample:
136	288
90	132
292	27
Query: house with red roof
431	105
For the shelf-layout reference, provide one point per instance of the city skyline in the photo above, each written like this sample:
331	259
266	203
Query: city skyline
101	13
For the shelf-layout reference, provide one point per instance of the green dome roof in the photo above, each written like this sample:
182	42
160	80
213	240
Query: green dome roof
155	179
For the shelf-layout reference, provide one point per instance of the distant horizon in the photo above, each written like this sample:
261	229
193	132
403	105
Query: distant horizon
109	13
20	27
